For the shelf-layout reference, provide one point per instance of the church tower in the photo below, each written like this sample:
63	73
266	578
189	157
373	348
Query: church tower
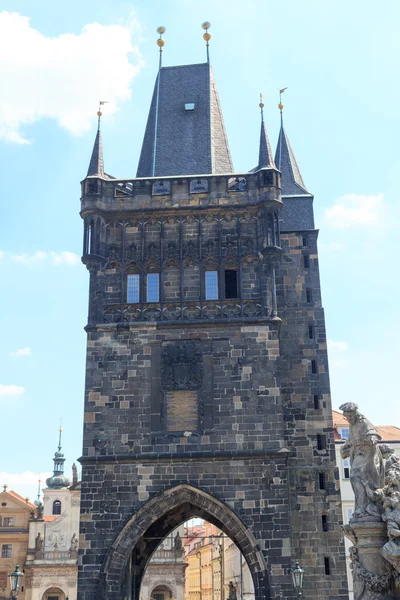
207	388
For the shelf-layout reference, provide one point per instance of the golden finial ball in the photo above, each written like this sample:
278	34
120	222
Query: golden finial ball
261	105
206	25
161	30
99	113
160	42
207	37
280	105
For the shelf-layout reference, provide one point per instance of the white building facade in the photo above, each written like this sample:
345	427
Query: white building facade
51	565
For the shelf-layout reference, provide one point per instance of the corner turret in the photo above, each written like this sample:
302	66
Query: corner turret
96	165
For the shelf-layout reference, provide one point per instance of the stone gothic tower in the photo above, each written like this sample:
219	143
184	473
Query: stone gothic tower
207	388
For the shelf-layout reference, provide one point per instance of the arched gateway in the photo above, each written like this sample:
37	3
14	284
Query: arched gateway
207	388
134	545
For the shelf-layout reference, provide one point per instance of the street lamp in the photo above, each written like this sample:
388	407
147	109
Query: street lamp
15	582
297	576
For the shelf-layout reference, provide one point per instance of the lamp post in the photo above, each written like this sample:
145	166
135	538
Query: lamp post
15	582
297	577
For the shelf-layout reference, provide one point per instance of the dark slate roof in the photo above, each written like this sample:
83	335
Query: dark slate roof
188	142
96	166
291	179
265	157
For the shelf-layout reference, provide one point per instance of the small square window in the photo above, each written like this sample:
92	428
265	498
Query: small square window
314	367
344	433
8	522
133	289
316	401
321	480
349	513
153	287
304	240
321	442
6	551
211	285
346	469
189	106
308	296
311	332
306	261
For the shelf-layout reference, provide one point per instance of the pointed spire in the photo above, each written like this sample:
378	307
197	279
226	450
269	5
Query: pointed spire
59	437
58	480
291	180
96	165
185	132
265	157
37	501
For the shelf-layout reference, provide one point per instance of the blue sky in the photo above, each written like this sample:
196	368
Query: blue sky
340	63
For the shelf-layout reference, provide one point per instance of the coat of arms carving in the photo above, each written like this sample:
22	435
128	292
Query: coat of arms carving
182	367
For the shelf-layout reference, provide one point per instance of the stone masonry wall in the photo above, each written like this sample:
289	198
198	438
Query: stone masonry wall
313	479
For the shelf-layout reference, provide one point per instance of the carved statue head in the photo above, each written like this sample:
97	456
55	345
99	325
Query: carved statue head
350	412
386	450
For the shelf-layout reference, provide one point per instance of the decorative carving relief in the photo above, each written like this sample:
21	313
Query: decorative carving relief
181	367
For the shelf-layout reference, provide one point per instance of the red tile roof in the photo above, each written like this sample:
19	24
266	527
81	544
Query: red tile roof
388	433
18	497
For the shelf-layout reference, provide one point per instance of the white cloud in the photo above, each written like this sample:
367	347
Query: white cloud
63	77
341	346
64	258
54	258
336	351
332	246
353	210
25	484
8	391
29	259
21	352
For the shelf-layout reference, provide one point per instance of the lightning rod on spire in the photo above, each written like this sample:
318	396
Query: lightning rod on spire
207	37
99	113
261	105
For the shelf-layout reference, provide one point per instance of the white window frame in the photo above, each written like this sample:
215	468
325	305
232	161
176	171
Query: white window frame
346	468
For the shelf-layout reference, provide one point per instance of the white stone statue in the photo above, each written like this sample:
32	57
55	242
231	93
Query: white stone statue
74	543
366	462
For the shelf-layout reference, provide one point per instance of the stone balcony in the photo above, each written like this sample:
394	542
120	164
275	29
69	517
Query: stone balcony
52	557
166	555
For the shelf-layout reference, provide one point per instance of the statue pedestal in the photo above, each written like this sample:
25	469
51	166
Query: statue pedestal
371	573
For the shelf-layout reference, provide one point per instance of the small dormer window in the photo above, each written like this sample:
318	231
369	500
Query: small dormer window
344	433
189	106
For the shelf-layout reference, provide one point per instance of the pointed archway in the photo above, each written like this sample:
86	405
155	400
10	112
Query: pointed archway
155	520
